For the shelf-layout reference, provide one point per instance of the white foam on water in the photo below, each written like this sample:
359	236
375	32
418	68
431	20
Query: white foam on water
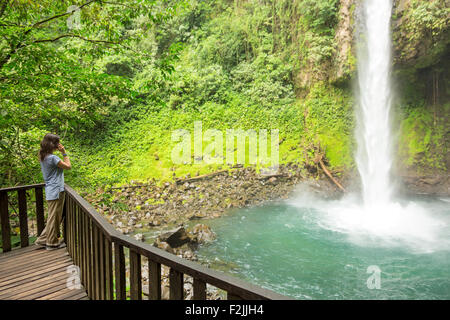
421	227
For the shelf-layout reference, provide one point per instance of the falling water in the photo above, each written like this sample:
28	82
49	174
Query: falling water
374	157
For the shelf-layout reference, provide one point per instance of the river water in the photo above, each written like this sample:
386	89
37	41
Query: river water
296	248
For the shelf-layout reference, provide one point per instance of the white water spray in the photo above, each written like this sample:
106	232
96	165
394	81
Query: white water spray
374	159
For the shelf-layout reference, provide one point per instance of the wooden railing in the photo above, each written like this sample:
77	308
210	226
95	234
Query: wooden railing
23	215
99	251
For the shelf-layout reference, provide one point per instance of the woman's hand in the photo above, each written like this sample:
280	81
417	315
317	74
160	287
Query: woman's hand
65	163
61	148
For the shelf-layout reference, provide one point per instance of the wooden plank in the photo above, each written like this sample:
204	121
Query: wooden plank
65	294
83	266
176	291
96	265
39	209
231	296
101	244
34	286
4	220
64	220
28	280
42	291
34	260
69	242
199	287
84	272
18	252
109	270
135	276
34	251
90	271
31	186
23	217
119	264
26	268
76	234
23	262
79	237
79	296
68	295
154	279
22	276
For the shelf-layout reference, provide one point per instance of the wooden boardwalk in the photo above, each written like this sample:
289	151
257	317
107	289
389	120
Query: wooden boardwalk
106	259
33	273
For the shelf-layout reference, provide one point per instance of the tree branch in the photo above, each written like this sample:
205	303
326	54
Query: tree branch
73	36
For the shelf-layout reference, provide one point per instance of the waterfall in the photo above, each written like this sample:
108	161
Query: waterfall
374	158
382	219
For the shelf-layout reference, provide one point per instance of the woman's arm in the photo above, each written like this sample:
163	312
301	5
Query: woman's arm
65	162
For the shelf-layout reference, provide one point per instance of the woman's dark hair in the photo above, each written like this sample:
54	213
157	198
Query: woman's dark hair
48	145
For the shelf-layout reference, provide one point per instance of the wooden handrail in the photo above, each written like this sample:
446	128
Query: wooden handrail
31	186
98	250
23	216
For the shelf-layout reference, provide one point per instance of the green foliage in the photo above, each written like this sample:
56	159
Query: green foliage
330	123
422	141
116	88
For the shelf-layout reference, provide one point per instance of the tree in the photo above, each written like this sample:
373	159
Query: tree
48	77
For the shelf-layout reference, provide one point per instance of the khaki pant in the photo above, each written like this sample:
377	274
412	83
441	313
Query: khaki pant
49	235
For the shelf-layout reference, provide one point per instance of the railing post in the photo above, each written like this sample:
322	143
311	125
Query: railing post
39	210
79	230
90	269
119	263
109	272
135	276
154	280
96	265
86	265
102	265
199	289
4	219
23	217
176	285
64	219
231	296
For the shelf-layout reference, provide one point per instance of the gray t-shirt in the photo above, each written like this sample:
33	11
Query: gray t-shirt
53	177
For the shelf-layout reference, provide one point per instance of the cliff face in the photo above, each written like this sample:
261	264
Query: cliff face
420	39
344	62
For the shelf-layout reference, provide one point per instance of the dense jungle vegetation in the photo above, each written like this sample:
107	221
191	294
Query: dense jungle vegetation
116	83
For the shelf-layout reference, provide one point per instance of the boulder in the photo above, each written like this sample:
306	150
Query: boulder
201	233
163	245
175	238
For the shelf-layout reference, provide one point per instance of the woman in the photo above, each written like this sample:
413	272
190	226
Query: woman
53	171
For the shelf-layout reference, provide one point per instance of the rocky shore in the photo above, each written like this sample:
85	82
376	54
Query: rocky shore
166	210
